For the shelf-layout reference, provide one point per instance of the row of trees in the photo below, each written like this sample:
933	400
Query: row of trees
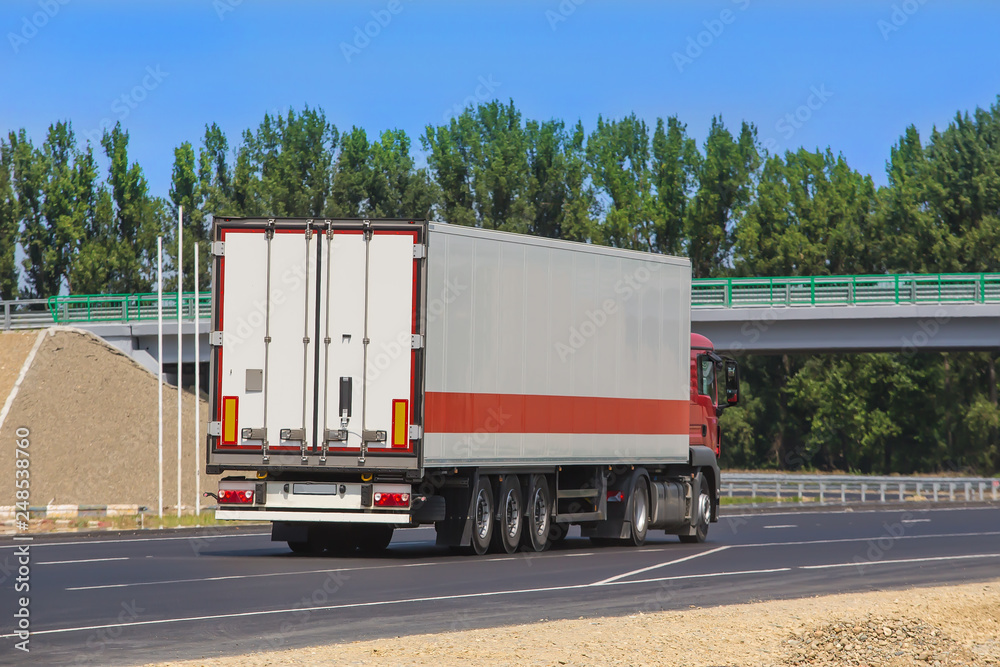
86	222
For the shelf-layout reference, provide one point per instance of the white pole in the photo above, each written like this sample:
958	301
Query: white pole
159	362
180	317
197	386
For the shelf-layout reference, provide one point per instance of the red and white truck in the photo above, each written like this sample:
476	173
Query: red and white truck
369	375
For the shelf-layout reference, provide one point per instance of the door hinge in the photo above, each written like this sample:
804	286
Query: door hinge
215	428
219	248
416	432
419	251
416	341
215	338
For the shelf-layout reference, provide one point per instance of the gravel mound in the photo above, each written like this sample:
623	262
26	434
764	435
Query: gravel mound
877	640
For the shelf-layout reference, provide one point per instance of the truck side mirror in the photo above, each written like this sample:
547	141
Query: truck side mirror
732	382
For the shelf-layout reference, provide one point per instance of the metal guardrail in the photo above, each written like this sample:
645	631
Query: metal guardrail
844	489
95	308
897	289
893	289
25	314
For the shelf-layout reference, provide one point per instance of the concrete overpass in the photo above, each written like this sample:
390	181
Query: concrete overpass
890	313
887	313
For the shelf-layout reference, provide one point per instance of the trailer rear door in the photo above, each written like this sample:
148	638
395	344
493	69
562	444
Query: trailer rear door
321	344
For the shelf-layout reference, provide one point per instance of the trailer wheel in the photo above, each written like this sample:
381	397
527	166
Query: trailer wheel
510	506
558	532
305	548
483	510
373	539
640	512
702	514
535	534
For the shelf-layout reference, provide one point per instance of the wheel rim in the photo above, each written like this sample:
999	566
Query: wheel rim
704	509
639	515
482	514
512	514
540	513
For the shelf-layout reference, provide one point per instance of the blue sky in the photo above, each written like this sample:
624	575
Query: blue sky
868	68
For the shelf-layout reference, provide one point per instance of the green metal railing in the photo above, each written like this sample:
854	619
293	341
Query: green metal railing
846	290
705	293
125	307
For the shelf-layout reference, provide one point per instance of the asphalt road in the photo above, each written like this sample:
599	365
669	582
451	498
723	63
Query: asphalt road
128	600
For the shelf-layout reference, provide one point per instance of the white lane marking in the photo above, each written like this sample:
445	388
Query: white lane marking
356	605
854	510
659	565
861	539
761	515
899	560
247	576
261	575
77	543
85	560
784	525
697	576
915	521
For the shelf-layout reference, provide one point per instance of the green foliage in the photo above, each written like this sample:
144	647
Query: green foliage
81	219
9	224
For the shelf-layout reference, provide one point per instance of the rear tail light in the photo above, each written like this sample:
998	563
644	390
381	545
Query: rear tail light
236	496
392	499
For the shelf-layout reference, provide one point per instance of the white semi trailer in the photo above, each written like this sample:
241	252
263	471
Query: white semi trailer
369	375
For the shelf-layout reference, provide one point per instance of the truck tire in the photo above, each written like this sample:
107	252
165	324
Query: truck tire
558	532
535	534
510	511
374	538
340	539
639	517
483	511
305	548
701	514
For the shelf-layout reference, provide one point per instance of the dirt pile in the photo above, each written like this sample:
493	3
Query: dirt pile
92	416
877	640
14	348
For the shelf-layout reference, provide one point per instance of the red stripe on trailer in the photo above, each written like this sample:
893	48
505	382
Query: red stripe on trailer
454	412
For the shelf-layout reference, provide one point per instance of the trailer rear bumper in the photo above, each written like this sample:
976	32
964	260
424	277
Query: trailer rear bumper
314	517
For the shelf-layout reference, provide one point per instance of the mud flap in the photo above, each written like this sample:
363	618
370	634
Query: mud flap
456	528
618	525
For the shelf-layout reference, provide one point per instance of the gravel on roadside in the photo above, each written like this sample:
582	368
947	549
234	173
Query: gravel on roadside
925	627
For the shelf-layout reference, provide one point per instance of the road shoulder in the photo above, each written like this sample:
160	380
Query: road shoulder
945	625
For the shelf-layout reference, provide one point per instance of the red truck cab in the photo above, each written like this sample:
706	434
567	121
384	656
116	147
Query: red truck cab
710	374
